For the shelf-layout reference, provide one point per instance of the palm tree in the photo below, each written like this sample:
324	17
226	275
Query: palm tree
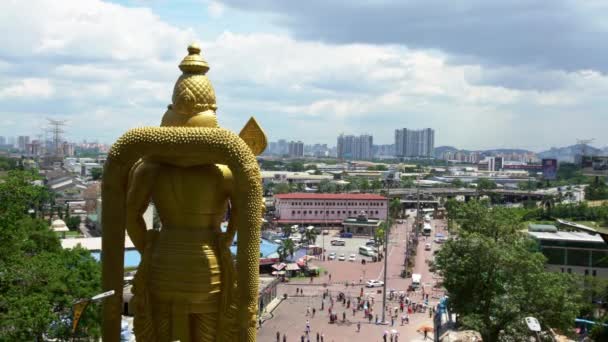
286	230
310	236
394	208
287	248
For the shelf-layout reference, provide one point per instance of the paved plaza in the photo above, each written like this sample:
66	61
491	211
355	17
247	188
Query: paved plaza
290	316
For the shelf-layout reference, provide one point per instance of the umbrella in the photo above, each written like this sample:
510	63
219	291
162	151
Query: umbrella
394	332
425	328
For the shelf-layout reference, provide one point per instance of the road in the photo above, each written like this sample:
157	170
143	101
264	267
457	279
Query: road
290	316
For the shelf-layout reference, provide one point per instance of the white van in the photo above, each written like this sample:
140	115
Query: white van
367	251
426	230
416	278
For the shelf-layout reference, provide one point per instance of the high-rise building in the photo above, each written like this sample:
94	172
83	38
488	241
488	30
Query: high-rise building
22	142
2	140
296	149
355	147
68	149
282	147
414	143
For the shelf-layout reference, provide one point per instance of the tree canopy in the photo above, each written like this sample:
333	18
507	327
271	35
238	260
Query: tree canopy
495	275
39	280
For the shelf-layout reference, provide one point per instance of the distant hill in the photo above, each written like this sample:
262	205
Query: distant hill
568	153
442	149
507	150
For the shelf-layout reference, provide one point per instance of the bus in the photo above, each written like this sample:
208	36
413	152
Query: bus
367	251
426	229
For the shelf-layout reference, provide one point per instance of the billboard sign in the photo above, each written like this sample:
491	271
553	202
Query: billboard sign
549	169
594	166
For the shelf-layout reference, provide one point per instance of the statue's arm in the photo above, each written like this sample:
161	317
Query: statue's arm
141	179
228	186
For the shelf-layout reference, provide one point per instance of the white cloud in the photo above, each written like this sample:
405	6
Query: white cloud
29	89
108	68
216	9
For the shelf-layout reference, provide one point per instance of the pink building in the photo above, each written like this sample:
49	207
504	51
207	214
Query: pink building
322	209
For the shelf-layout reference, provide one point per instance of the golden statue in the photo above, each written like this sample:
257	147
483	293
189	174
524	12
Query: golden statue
187	287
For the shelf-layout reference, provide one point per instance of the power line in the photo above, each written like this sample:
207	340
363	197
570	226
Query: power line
55	127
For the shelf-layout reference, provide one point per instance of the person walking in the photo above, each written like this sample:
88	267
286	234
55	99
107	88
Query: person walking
278	336
343	316
318	336
384	335
358	326
314	311
308	311
284	338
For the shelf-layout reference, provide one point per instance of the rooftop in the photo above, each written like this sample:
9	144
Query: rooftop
316	196
567	236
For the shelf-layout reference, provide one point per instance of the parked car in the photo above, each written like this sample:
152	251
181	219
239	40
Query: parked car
346	235
342	257
370	243
427	247
338	242
374	283
332	256
352	257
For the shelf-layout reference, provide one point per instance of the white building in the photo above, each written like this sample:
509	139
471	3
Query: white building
572	252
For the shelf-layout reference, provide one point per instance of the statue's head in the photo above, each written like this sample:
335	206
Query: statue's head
193	95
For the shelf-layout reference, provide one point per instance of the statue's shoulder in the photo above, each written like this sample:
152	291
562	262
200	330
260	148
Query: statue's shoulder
225	171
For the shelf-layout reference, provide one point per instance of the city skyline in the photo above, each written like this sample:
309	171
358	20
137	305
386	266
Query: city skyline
305	80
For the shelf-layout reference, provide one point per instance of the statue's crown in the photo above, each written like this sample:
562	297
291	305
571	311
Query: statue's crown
193	92
194	62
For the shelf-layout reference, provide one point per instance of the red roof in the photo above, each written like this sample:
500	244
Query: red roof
317	196
305	221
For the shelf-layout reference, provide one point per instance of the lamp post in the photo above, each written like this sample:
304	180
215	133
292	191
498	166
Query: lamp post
386	230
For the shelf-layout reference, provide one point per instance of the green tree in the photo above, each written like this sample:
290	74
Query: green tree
596	191
376	184
295	166
407	182
379	234
282	188
39	280
495	276
96	173
287	248
457	183
7	164
486	184
363	184
73	222
310	236
394	208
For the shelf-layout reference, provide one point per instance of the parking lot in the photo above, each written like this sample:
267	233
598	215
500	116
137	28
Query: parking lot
351	246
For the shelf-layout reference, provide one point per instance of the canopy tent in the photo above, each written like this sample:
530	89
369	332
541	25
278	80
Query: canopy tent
292	267
280	266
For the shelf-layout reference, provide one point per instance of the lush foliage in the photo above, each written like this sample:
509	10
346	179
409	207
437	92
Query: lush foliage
597	191
8	163
39	280
486	184
287	248
495	277
96	173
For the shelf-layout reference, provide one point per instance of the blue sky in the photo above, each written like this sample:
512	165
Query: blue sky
483	74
